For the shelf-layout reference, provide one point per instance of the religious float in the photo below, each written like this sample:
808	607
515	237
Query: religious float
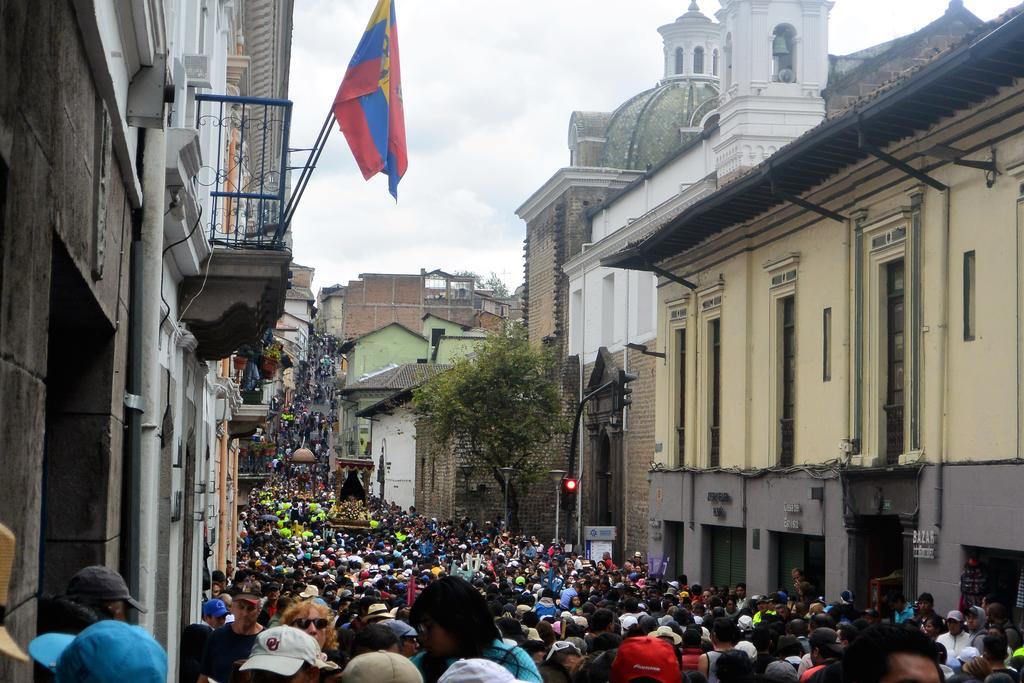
351	483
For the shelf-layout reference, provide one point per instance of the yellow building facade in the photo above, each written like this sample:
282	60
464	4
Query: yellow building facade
842	328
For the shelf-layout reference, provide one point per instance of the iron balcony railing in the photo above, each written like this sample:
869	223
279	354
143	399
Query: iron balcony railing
893	433
714	454
787	441
247	179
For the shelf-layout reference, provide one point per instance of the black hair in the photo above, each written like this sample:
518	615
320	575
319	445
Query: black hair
867	658
994	647
726	631
692	636
601	619
761	638
605	641
454	605
733	665
848	632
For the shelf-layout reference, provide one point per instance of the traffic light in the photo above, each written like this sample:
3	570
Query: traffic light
621	398
570	487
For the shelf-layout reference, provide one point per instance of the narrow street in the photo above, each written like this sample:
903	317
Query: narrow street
388	341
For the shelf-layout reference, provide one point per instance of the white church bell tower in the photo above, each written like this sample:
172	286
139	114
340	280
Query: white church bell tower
775	55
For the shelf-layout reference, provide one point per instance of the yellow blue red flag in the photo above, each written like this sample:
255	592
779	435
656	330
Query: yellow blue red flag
368	105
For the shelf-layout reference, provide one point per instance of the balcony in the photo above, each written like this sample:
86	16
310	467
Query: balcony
240	288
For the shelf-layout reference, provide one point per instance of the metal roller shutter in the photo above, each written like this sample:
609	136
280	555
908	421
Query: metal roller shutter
728	556
791	554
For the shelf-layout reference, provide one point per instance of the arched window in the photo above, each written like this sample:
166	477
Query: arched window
680	60
714	63
783	54
698	60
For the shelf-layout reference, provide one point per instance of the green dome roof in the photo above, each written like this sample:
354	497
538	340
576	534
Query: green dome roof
645	130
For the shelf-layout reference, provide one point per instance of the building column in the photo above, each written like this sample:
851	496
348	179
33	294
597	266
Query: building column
854	554
909	524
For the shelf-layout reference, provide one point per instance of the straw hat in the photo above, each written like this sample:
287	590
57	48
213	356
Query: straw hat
7	645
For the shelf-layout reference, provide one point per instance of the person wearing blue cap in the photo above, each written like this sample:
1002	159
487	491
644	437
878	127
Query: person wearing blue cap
107	651
215	613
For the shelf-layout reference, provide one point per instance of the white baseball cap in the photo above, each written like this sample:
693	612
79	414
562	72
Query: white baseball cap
283	650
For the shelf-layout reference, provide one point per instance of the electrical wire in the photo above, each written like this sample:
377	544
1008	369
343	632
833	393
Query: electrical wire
209	261
195	227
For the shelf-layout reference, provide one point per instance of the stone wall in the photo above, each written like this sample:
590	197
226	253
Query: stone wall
63	313
443	491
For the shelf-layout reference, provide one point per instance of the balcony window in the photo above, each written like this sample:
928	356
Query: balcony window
681	394
788	381
715	382
895	359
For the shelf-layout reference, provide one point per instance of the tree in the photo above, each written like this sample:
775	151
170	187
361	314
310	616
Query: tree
499	408
492	282
496	284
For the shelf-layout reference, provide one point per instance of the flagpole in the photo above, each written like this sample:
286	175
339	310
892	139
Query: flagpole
307	171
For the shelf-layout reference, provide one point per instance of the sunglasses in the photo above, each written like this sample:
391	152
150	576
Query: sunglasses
303	624
245	606
559	646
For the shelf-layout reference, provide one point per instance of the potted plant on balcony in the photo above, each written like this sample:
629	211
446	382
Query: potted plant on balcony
270	360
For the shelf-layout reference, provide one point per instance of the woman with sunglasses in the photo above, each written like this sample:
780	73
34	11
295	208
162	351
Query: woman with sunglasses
316	619
454	623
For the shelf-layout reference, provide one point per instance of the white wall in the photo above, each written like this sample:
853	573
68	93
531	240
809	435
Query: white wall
597	319
398	433
644	196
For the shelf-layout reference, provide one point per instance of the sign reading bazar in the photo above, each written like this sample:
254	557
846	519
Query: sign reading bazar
924	544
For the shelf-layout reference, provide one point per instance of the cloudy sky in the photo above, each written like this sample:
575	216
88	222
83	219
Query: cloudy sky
488	90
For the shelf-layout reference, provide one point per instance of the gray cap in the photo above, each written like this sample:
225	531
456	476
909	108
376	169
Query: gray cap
100	584
400	628
782	672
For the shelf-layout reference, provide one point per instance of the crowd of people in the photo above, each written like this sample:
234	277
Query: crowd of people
405	598
414	599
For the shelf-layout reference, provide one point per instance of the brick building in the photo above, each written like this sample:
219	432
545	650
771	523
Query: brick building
378	299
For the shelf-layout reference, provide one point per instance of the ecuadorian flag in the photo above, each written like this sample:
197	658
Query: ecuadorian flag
368	106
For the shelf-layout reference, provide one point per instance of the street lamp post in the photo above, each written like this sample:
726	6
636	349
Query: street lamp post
556	477
505	472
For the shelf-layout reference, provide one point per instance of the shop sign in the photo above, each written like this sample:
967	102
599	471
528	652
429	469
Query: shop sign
599	533
792	524
924	544
792	507
716	498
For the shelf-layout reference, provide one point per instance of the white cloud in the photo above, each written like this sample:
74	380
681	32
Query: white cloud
488	90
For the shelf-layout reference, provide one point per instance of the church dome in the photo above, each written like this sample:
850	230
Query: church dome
650	127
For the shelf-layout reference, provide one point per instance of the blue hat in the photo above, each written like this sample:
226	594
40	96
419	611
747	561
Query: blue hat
47	648
106	651
214	608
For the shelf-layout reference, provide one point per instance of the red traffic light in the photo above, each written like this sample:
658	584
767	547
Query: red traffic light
569	485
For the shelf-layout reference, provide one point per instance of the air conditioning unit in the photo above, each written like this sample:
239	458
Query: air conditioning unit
197	68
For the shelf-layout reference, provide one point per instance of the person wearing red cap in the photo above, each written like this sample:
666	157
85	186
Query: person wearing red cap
646	659
232	641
